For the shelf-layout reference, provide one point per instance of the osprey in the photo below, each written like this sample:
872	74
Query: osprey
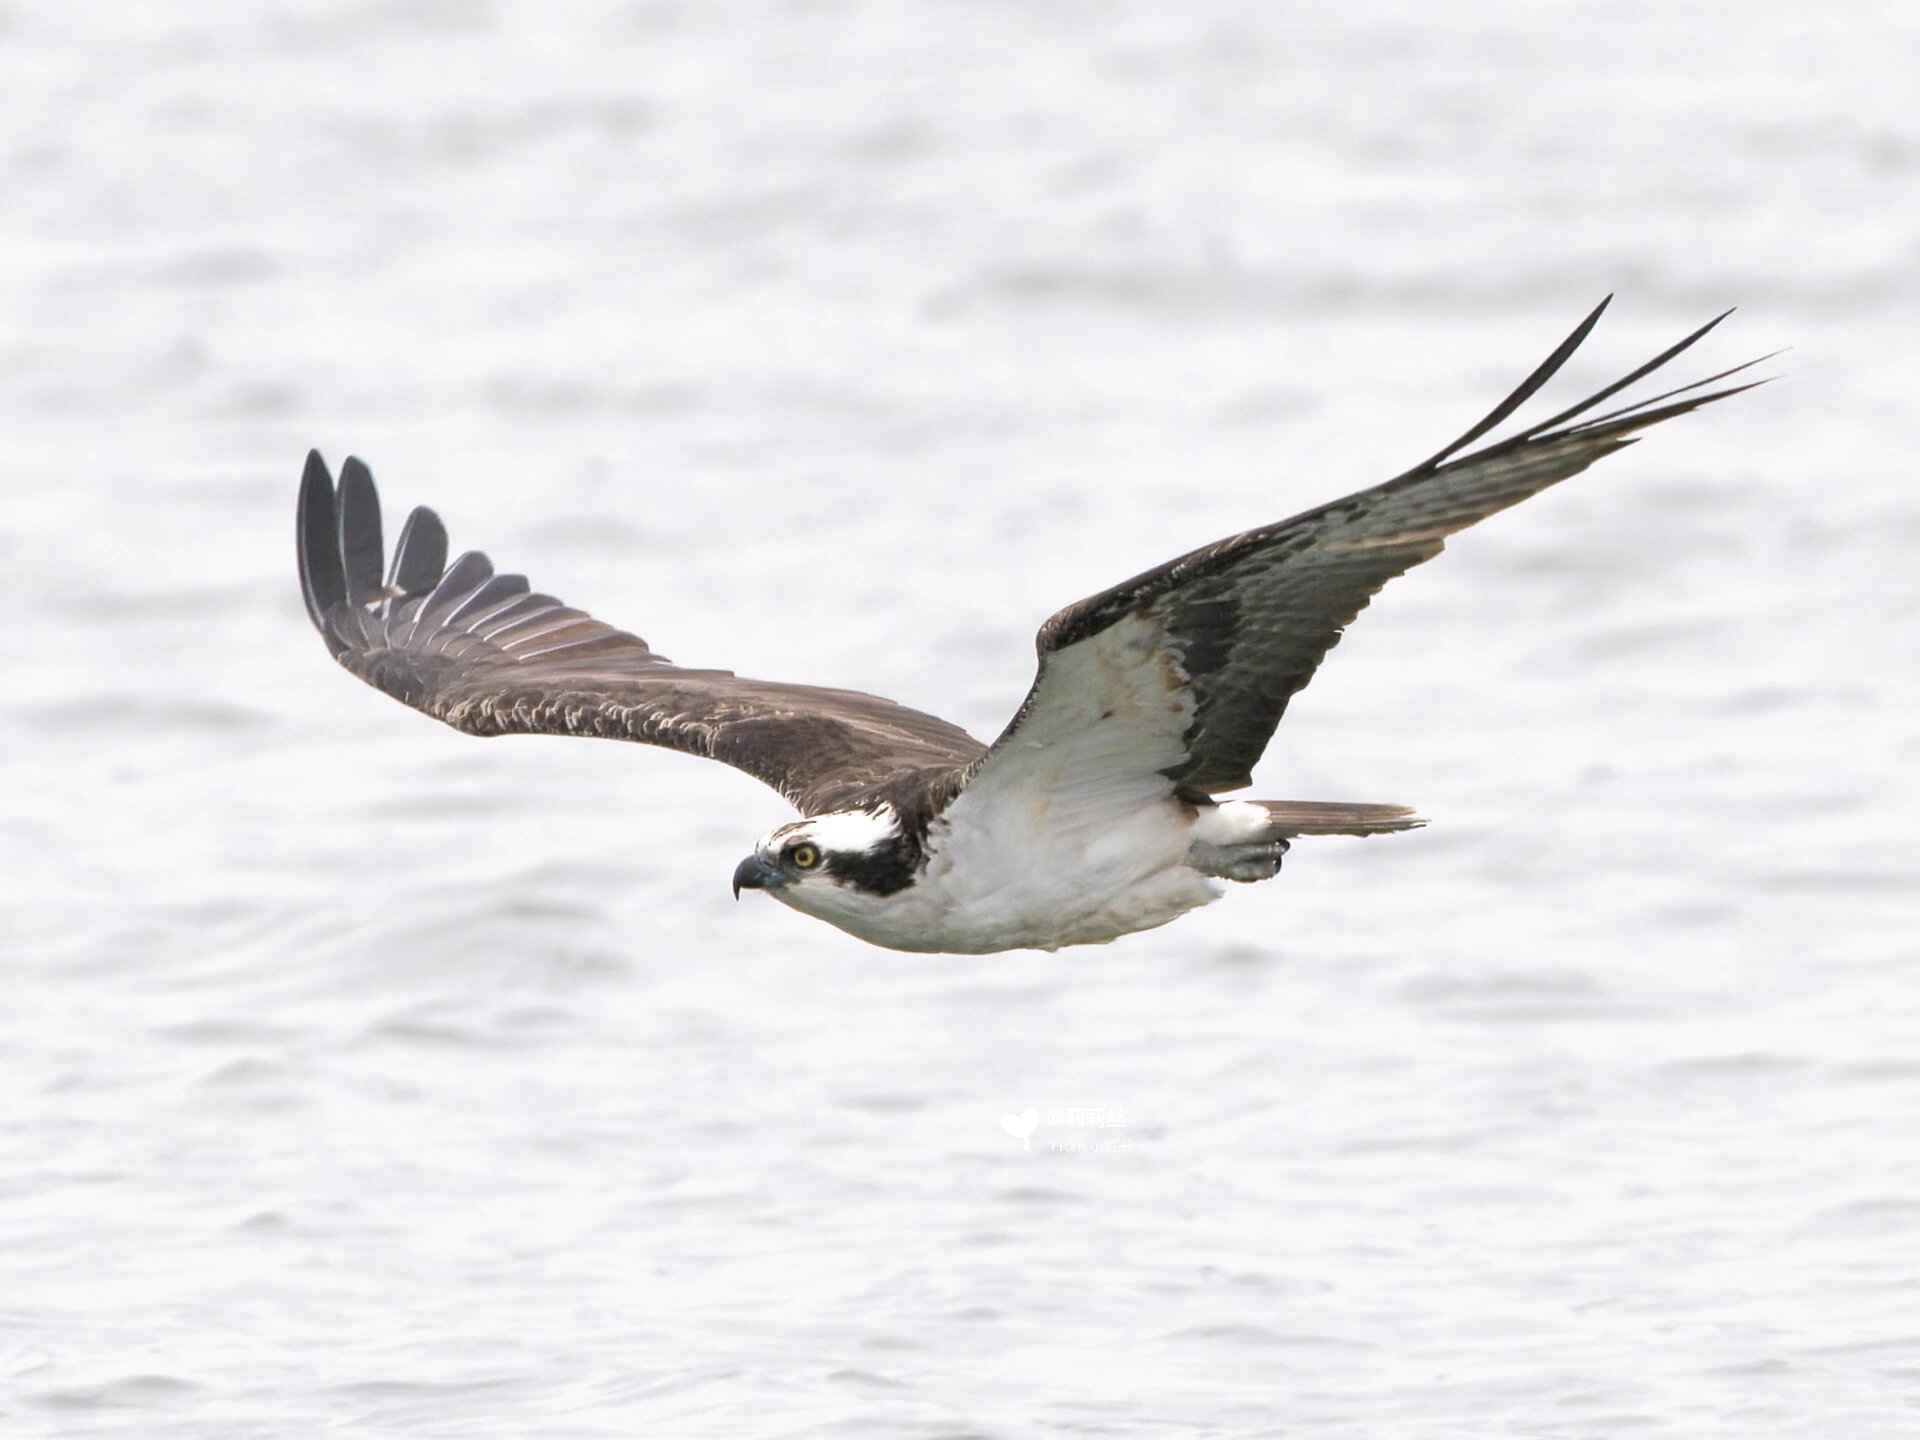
1096	812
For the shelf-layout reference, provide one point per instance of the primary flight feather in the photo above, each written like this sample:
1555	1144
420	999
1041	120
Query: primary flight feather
1093	815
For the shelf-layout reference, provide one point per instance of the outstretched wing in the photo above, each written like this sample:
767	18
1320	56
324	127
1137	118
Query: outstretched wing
1183	672
487	655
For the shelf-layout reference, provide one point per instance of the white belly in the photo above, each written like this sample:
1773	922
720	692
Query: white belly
1013	879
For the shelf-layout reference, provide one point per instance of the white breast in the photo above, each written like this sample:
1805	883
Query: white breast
1001	880
1038	867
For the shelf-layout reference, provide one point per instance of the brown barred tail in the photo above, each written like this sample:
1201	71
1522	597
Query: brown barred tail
1333	817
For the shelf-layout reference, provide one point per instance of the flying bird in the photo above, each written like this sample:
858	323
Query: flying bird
1096	813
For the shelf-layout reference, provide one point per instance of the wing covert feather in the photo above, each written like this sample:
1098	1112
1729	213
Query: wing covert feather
488	655
1248	620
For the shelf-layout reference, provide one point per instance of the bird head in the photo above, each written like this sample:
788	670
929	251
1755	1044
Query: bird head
826	861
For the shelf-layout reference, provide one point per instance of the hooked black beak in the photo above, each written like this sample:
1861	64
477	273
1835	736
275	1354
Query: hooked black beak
753	873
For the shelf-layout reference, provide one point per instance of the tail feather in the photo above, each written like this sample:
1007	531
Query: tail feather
1289	818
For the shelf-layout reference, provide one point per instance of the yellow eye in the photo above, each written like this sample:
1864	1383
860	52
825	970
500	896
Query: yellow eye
804	857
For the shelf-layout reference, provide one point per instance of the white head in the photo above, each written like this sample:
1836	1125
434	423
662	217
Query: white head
836	866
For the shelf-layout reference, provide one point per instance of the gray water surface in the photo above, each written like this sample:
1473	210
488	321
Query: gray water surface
360	1078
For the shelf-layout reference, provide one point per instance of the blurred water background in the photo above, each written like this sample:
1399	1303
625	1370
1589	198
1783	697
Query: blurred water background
359	1078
